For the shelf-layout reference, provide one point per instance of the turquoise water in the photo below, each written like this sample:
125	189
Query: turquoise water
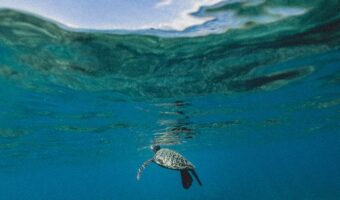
255	108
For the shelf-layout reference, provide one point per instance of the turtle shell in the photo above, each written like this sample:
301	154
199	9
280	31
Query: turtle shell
171	160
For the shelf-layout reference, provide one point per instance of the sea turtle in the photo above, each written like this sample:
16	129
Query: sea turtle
172	160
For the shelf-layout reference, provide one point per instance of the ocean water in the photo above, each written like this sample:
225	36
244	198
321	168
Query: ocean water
255	108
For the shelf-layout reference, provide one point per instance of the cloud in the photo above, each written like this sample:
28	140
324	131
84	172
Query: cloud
184	18
163	3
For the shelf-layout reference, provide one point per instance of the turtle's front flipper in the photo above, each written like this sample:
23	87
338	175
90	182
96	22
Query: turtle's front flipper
186	179
196	176
141	169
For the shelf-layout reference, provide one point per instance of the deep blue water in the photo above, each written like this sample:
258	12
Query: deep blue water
255	110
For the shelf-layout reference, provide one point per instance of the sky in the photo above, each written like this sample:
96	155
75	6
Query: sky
116	14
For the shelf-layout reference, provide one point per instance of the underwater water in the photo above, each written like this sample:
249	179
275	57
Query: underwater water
256	108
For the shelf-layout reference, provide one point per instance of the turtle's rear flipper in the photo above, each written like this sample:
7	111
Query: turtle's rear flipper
186	179
196	176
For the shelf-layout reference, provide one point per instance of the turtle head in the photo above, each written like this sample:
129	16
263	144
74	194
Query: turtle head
155	148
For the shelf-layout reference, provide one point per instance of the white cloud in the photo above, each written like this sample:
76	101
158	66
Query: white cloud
163	3
185	19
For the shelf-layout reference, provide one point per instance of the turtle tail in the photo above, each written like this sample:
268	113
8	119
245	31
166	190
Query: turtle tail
186	179
196	177
141	169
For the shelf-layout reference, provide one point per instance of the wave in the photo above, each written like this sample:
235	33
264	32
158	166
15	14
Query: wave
42	56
